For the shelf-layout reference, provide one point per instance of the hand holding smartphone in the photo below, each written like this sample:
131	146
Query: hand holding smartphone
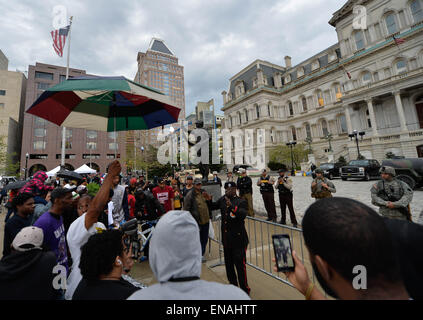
283	253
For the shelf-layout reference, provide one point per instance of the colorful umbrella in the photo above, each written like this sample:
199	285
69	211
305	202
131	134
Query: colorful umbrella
104	104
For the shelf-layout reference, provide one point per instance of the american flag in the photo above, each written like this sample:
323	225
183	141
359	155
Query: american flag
59	39
398	41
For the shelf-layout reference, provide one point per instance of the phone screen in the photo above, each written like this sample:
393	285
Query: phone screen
283	252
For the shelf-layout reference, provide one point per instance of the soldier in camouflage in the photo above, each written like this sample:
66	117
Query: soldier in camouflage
392	195
321	187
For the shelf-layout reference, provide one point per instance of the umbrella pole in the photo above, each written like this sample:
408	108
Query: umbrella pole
115	137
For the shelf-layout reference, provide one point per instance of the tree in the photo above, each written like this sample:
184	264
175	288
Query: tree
9	164
342	161
282	154
274	166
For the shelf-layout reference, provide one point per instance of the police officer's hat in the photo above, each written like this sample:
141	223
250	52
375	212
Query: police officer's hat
241	170
318	170
387	170
230	184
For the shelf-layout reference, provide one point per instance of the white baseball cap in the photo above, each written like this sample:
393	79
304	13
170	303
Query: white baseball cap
28	238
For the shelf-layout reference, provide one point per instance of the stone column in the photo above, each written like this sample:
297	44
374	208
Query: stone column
348	118
400	110
372	116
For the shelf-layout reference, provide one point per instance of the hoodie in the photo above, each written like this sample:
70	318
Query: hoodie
36	184
175	259
27	276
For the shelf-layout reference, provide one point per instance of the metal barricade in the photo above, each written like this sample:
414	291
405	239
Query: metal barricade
260	249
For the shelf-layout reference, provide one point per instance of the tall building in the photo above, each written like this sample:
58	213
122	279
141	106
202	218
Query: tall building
42	140
158	68
12	104
365	82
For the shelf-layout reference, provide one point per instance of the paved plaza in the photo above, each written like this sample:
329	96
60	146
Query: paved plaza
355	189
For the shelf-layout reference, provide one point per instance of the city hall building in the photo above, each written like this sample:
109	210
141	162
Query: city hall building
366	82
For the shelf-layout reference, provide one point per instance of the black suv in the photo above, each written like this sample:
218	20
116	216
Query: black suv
331	170
364	169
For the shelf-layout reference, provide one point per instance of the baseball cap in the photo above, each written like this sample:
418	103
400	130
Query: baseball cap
318	170
197	181
81	188
190	178
28	238
241	170
230	184
214	172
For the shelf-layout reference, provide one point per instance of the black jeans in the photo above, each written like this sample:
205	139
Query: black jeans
204	236
286	199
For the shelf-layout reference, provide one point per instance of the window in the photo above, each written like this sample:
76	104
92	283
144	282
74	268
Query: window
1	105
291	109
343	124
359	40
2	92
110	156
68	133
113	146
325	128
39	121
338	92
376	76
91	156
91	134
68	145
308	131
246	115
391	24
294	134
43	75
304	101
416	10
39	145
91	145
268	109
239	118
367	77
401	66
112	135
258	111
320	99
40	132
43	86
67	156
62	78
38	156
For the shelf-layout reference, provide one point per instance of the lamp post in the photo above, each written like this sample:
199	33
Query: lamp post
26	164
309	141
291	145
355	135
171	130
142	153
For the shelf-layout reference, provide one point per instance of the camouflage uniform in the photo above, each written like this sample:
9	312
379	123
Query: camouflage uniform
318	192
397	192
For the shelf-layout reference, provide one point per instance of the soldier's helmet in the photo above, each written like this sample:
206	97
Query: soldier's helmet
387	170
318	170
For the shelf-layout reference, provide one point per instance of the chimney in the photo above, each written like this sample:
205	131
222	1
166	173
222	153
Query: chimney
288	63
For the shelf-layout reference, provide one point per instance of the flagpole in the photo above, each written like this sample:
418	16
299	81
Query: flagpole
67	76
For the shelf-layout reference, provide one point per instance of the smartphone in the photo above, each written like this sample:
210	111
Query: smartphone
283	253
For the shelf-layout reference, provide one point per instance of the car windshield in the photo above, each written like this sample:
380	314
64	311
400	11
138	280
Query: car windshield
358	163
326	166
251	168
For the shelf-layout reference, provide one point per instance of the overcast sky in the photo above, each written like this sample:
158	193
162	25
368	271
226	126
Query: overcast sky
213	39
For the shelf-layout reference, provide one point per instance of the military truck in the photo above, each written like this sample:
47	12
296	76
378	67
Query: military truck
409	170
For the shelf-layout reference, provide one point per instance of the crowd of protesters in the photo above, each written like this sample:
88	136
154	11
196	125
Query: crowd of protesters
52	223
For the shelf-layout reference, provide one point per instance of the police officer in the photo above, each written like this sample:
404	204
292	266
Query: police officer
268	193
234	236
229	177
392	196
321	187
245	187
284	186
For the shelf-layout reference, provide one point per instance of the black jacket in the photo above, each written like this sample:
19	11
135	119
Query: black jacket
151	205
245	185
28	276
234	234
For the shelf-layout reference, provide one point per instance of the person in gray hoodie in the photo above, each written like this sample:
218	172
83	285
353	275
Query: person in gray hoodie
175	259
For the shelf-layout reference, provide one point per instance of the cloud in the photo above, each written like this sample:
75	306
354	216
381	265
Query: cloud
213	39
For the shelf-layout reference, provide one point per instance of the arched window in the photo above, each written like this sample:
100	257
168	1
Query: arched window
401	66
308	130
325	128
391	23
367	77
291	109
359	40
258	112
338	92
343	124
416	10
294	134
304	101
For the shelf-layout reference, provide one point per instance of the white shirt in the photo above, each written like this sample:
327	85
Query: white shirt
77	236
